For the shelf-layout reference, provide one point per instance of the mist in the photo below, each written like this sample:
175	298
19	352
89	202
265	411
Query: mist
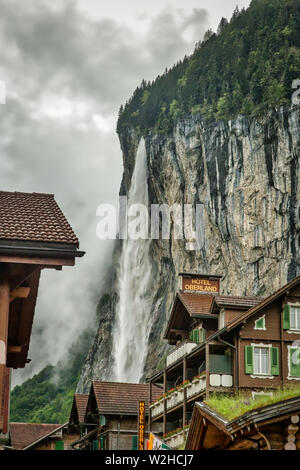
66	75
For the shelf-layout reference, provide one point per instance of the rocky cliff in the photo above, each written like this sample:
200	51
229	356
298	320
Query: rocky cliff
246	173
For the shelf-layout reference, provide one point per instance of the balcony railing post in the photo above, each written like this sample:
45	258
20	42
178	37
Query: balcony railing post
165	404
207	369
184	375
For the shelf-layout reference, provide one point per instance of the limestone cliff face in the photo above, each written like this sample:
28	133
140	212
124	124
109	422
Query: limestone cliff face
246	173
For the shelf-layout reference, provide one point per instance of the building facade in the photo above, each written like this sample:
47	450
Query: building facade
34	235
111	417
224	344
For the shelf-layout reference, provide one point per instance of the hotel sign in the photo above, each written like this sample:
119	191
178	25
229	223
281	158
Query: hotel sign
141	426
201	284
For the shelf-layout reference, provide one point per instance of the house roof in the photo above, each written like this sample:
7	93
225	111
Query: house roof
33	217
209	430
237	302
122	398
241	318
24	434
196	304
81	402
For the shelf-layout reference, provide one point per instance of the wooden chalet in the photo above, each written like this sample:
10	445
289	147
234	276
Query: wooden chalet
111	416
224	344
34	235
36	436
272	427
23	435
77	422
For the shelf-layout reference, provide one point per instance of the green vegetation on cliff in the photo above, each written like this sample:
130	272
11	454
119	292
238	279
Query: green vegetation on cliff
47	397
247	66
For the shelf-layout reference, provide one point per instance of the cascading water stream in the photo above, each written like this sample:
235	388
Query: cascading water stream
133	315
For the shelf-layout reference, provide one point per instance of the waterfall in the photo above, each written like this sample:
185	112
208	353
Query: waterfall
133	314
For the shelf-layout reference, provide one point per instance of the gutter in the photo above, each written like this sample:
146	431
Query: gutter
24	250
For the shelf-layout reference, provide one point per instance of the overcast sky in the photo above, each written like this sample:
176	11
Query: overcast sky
68	66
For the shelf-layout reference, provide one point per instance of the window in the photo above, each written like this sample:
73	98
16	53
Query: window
198	335
260	323
294	361
291	317
261	360
294	317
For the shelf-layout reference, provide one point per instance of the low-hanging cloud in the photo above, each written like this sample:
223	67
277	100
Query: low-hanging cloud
66	76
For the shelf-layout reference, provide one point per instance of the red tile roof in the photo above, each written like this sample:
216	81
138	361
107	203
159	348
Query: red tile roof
23	434
196	304
122	398
81	401
33	217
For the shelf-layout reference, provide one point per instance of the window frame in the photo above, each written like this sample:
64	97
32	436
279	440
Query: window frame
255	375
269	360
295	306
263	317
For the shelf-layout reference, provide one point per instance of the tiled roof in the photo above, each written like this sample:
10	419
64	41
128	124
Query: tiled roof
81	401
33	217
237	301
23	434
118	398
196	304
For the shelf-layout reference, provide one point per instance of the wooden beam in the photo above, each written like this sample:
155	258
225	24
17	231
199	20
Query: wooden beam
19	293
37	261
180	332
4	316
23	332
14	349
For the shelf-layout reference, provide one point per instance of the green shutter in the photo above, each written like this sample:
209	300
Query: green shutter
203	335
275	361
294	362
248	359
59	445
134	443
191	335
196	336
286	317
102	443
95	444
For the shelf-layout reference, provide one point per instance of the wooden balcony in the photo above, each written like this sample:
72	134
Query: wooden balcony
177	439
180	351
193	389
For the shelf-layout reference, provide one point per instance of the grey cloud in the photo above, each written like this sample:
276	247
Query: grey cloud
51	49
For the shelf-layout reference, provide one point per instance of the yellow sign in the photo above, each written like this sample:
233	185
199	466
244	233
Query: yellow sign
200	285
141	426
